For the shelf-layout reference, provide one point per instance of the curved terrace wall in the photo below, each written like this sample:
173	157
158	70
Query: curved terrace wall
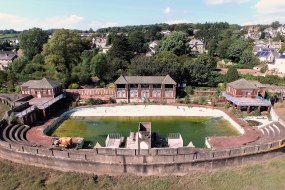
147	162
154	161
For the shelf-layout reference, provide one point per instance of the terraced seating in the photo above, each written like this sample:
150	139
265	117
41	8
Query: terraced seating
12	132
6	133
272	132
15	134
23	134
18	132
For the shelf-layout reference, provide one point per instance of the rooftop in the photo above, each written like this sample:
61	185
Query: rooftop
43	83
145	80
243	84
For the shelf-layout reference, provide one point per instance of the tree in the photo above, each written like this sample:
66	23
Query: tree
275	24
248	58
176	43
103	68
3	77
61	53
136	41
121	48
141	66
232	74
236	49
167	63
200	71
32	41
282	49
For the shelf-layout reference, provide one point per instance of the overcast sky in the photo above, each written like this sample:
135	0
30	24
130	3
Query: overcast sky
85	14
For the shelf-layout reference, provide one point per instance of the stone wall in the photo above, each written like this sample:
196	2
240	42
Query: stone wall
102	93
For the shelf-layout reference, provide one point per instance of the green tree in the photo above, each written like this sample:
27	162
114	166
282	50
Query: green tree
248	58
236	49
176	43
141	66
137	42
3	77
121	48
61	54
32	41
282	49
275	24
200	72
232	74
103	68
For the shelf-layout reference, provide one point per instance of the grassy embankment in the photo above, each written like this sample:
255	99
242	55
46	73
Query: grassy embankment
269	175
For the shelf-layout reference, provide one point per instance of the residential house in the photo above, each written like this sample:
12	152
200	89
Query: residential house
6	58
267	55
246	95
145	88
153	48
197	46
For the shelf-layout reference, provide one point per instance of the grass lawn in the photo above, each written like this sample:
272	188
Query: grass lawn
3	109
268	175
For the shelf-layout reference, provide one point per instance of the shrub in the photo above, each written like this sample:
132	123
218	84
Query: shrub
112	100
73	86
256	113
202	101
226	106
98	101
187	99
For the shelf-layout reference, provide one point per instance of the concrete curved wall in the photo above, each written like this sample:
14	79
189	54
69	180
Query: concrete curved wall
140	162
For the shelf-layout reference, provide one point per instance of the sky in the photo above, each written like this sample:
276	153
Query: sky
85	14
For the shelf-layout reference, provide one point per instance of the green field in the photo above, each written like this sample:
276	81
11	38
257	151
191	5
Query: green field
3	109
263	176
96	129
7	36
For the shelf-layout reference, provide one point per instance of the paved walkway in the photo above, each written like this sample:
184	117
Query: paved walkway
250	135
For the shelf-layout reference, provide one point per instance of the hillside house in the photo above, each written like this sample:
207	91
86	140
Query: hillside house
197	46
6	58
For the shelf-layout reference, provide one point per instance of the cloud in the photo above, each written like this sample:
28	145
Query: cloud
269	7
21	23
219	2
267	12
168	11
179	21
100	24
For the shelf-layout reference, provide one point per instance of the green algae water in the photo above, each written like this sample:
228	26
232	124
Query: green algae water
96	129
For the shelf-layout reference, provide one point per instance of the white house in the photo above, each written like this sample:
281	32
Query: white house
152	48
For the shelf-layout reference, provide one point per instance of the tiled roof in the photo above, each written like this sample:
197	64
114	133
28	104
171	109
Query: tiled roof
145	80
43	83
242	84
7	55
